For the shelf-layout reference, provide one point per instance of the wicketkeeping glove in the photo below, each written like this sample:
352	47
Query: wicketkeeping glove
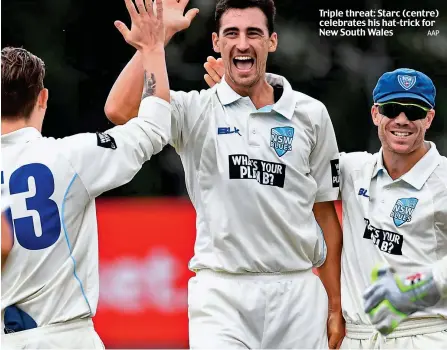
393	297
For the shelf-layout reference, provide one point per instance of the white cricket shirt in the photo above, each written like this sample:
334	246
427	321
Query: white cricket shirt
253	177
402	223
52	270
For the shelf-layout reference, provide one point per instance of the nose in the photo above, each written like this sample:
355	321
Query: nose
242	44
401	119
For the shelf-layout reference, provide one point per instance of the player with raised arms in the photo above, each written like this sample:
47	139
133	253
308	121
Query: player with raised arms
50	282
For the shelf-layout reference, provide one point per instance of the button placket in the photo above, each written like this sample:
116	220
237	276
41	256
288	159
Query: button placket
253	132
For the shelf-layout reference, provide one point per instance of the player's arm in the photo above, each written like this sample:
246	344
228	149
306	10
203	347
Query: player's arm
125	96
324	169
103	161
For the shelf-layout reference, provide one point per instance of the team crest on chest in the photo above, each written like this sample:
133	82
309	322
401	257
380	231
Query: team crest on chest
406	81
281	139
403	210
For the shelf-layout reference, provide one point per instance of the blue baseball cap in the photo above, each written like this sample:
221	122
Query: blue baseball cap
404	83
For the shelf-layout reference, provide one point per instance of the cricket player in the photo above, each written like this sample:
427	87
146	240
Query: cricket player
402	194
261	164
395	215
50	279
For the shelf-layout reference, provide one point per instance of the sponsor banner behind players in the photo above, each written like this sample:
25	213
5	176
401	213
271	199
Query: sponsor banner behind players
144	249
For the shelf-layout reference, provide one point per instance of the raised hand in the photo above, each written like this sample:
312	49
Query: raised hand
147	30
215	71
174	20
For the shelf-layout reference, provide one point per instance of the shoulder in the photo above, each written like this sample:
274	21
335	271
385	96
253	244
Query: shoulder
353	161
194	96
440	174
309	105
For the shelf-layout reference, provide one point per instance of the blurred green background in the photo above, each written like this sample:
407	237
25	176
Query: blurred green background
84	54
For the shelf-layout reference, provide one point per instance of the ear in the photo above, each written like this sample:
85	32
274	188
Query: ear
376	116
429	118
42	98
215	38
273	42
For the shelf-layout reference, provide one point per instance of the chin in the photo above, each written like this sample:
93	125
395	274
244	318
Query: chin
244	81
401	148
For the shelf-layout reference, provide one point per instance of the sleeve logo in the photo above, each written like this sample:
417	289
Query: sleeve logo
105	140
335	172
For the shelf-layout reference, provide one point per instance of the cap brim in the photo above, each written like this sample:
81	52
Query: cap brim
403	95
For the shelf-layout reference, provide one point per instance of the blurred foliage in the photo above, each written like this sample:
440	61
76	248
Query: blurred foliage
84	54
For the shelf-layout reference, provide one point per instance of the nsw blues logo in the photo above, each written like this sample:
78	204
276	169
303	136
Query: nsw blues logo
281	139
403	210
406	81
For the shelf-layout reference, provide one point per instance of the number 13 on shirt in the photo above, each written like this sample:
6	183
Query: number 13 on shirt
35	217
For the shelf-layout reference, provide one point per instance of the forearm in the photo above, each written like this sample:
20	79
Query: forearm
440	276
125	96
330	271
155	81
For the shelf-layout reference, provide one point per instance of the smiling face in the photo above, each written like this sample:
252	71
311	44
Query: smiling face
244	43
400	135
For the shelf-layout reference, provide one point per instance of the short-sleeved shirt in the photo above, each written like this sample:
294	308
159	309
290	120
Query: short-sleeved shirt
253	176
52	270
401	223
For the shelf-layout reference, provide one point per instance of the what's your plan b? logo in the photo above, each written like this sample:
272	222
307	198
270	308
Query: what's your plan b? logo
281	139
403	210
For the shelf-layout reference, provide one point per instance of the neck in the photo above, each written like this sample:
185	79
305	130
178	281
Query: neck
399	164
9	126
261	93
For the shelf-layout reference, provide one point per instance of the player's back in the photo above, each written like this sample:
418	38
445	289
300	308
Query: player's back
52	270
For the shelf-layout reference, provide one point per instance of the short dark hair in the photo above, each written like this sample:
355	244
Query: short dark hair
266	6
22	81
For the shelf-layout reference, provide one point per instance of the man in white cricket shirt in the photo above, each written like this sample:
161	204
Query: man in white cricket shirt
394	214
261	164
50	280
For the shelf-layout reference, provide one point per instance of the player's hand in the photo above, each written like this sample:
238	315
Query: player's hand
335	329
174	18
215	71
393	297
147	30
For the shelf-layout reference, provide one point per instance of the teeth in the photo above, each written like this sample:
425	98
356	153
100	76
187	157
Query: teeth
401	134
243	58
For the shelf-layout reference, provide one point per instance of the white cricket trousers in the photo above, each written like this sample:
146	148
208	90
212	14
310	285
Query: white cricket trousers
257	311
76	334
418	333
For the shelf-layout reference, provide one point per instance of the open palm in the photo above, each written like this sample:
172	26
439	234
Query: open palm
174	18
147	30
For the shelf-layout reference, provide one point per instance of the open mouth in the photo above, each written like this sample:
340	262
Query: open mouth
401	134
243	63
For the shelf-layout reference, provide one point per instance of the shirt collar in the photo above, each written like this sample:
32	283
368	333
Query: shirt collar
285	106
421	171
23	135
